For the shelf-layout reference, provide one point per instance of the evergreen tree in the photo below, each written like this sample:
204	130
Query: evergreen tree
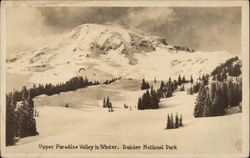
180	124
205	79
171	121
183	79
199	104
236	71
224	95
175	84
154	99
169	80
162	85
10	120
179	80
147	100
168	122
22	116
196	87
31	122
219	78
104	103
208	108
224	74
191	79
176	121
230	93
144	85
111	107
191	90
214	78
107	102
218	104
139	105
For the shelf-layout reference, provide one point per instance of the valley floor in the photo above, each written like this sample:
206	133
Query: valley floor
93	125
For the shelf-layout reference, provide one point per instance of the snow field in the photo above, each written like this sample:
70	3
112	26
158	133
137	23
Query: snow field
86	122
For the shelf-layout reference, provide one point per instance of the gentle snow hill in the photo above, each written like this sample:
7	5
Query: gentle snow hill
120	92
95	125
102	52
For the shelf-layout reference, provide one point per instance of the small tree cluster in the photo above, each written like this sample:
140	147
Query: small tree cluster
232	67
181	80
212	100
191	79
190	90
174	123
111	81
167	89
234	92
149	100
20	120
204	79
144	85
108	104
194	88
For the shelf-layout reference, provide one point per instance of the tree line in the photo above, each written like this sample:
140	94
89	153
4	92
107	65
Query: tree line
111	81
232	67
166	90
213	99
20	120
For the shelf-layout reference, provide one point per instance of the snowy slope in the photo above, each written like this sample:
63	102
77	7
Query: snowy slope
101	52
86	122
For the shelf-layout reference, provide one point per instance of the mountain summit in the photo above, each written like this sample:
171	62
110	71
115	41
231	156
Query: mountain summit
101	52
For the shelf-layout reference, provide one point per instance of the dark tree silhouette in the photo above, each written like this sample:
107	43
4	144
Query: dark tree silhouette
144	85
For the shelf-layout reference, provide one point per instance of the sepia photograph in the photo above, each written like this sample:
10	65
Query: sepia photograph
116	78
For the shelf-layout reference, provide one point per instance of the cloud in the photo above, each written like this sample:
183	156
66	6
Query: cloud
199	28
141	16
61	18
25	29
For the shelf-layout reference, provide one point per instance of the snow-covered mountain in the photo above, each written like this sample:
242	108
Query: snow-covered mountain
101	52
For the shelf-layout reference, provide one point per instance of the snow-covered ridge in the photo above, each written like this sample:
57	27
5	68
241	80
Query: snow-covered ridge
101	52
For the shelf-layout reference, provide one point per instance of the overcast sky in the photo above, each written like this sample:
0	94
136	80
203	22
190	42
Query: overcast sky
205	29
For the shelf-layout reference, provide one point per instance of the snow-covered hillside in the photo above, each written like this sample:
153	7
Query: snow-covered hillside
86	122
101	52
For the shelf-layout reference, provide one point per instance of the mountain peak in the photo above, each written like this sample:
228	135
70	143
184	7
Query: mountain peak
101	52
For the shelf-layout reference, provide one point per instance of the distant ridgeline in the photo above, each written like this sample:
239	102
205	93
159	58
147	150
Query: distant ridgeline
20	120
184	49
